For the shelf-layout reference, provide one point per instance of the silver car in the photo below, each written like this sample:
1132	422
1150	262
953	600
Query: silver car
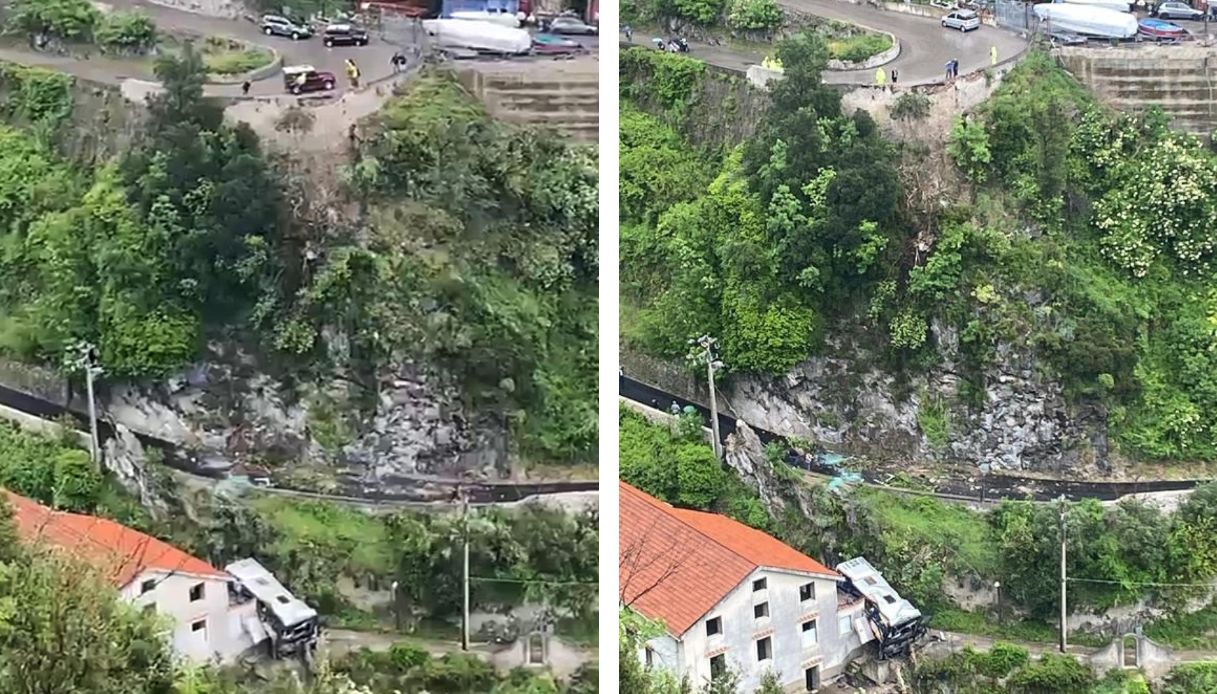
963	20
1178	10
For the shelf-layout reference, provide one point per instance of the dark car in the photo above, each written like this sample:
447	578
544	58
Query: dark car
552	44
1177	10
1066	38
570	25
344	35
302	79
276	25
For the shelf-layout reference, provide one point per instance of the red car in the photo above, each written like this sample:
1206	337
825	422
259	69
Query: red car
301	79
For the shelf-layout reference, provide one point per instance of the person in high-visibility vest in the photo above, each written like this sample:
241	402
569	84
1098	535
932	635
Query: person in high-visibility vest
993	55
353	72
880	77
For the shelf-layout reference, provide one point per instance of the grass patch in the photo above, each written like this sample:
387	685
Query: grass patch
224	57
584	632
1195	631
855	49
932	418
927	521
1029	630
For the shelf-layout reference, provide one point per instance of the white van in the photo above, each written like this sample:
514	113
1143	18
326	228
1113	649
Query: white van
963	20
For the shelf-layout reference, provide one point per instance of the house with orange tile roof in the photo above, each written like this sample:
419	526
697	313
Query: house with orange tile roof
731	597
207	617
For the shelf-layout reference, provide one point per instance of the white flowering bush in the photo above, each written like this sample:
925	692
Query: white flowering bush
1164	202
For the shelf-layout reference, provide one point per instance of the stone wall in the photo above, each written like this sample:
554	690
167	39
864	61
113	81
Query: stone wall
565	96
1181	80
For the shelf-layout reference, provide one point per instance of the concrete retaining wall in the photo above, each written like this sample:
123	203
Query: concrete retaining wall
211	8
1181	80
918	10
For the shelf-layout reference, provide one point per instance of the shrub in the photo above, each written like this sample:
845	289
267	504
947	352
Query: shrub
859	48
73	20
126	31
911	106
755	15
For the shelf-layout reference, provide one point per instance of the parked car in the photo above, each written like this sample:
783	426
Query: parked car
963	20
344	35
552	44
570	25
1177	10
1066	38
302	79
276	25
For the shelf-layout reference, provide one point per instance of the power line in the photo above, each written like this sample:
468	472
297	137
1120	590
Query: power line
487	579
1141	583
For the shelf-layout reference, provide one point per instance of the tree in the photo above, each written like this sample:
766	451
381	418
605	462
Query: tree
68	19
72	633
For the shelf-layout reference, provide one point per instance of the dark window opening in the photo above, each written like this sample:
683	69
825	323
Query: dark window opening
812	678
718	666
147	586
759	584
761	610
714	626
809	625
199	625
807	591
764	648
890	600
196	592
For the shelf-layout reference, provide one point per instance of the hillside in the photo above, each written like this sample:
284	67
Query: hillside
1030	296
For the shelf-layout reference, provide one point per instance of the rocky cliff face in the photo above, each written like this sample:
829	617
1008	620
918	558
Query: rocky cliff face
1021	421
332	437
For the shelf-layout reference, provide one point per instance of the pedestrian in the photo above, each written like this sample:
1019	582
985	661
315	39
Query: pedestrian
629	34
352	73
245	88
880	77
675	408
949	65
895	75
954	68
398	62
993	55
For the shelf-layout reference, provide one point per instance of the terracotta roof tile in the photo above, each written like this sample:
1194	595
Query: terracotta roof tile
116	549
676	564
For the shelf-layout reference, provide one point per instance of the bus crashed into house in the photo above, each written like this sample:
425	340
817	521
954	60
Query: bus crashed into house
893	621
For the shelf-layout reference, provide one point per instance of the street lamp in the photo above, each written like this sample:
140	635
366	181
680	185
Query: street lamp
997	591
703	351
88	361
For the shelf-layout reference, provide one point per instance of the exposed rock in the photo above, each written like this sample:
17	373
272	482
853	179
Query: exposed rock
125	458
1022	422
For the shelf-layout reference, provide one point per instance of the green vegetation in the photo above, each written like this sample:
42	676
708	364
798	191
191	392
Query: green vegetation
1191	678
225	57
73	20
484	267
858	47
804	232
1008	668
131	32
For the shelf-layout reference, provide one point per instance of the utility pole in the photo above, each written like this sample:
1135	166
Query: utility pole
704	349
1064	613
88	361
465	536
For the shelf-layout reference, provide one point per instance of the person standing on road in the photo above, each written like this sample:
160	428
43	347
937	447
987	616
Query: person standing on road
245	88
950	64
895	75
629	34
353	73
993	55
880	77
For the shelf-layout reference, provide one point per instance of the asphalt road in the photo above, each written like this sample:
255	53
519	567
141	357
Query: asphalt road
925	46
373	59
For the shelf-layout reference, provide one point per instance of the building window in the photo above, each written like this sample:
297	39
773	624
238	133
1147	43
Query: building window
536	650
196	592
843	627
714	626
147	586
759	584
718	666
809	632
807	591
150	608
199	626
890	600
650	657
764	649
761	610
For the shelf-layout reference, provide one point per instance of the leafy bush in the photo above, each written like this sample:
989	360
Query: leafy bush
669	78
68	19
911	106
699	11
859	47
755	15
131	31
224	57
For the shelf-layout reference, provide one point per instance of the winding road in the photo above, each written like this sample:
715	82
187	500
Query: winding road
925	46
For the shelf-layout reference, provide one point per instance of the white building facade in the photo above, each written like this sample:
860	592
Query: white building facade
775	620
206	625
